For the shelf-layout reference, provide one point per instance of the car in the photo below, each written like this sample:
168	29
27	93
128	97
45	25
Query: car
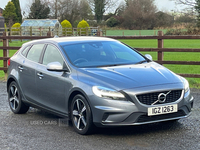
95	82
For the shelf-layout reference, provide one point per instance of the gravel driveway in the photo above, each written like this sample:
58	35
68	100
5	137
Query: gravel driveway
39	130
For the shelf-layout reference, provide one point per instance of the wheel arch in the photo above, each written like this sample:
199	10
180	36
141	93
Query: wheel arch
75	92
10	80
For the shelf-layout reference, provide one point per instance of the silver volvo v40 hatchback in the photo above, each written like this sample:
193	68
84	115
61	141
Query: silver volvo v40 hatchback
95	81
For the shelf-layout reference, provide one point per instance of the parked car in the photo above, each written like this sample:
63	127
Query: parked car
95	82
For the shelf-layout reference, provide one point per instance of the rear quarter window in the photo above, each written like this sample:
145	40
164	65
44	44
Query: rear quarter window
35	52
24	52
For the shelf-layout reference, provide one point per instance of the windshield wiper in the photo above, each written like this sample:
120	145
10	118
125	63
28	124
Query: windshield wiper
141	62
111	65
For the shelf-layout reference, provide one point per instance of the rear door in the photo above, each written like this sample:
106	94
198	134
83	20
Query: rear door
27	70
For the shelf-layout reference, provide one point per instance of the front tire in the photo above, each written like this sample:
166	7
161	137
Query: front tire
81	115
14	98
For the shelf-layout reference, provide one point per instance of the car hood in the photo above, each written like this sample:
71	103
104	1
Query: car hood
129	76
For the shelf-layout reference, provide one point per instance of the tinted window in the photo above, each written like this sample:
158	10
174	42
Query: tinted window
52	54
24	52
96	54
35	52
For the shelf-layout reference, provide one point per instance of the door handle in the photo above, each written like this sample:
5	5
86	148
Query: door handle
40	75
21	68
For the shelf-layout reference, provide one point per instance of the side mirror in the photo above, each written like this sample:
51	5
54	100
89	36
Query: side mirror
55	66
149	57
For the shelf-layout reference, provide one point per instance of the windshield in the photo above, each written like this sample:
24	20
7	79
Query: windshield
100	54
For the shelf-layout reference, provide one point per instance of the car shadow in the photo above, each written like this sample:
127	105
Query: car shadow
141	129
116	131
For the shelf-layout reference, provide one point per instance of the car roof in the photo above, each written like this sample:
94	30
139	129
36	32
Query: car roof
65	40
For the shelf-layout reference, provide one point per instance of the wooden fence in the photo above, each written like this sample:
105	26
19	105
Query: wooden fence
160	50
42	31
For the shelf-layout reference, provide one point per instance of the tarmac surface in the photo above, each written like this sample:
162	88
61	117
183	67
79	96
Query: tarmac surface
39	130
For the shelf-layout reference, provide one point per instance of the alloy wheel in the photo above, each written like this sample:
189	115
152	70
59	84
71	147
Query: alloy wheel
79	114
14	97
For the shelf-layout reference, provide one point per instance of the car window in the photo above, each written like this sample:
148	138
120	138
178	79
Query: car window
35	52
24	52
97	54
52	54
122	53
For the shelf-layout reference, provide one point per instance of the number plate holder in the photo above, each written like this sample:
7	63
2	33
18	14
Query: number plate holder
159	110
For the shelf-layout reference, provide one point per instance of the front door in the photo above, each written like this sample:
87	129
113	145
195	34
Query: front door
51	85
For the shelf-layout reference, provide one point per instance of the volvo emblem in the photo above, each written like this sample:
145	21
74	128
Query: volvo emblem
162	97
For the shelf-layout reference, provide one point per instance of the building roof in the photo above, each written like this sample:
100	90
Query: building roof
40	22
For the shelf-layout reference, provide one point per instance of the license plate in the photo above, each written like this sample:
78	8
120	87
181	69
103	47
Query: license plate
152	111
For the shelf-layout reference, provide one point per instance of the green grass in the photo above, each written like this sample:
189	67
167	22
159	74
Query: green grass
176	56
132	32
11	53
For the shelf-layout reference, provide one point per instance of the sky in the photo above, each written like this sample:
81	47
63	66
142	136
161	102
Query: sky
163	5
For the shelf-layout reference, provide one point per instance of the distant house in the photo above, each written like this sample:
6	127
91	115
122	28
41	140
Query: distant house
1	11
40	26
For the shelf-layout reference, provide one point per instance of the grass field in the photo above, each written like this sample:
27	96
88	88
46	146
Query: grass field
176	56
132	32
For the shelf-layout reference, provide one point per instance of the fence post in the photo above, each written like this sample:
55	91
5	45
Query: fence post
40	28
31	31
20	32
10	34
160	45
49	34
86	31
5	53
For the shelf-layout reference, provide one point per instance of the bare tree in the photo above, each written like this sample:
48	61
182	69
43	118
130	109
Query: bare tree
71	10
99	7
194	4
139	14
190	3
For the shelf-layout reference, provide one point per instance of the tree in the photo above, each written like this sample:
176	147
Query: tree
16	29
83	27
9	14
39	10
17	10
85	10
66	27
99	7
192	4
197	8
139	14
112	22
163	19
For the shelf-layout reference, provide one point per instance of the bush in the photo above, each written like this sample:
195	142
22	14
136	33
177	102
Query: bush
190	30
16	28
67	27
112	22
5	26
83	27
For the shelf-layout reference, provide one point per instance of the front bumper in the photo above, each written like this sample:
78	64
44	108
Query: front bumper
131	112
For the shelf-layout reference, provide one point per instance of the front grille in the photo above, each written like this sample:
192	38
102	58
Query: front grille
145	118
150	98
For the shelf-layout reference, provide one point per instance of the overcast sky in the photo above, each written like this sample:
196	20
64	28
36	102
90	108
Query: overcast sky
164	5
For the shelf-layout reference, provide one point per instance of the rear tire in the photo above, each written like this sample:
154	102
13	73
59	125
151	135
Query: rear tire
81	115
14	98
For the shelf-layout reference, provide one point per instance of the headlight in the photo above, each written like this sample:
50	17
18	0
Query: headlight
186	85
107	93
